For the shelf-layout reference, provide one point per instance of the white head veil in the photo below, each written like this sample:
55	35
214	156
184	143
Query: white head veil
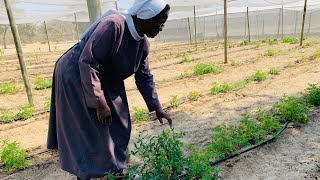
143	9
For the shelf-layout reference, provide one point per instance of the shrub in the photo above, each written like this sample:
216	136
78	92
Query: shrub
274	71
7	89
316	54
245	42
260	76
12	155
42	83
175	102
7	116
140	114
186	59
270	52
312	94
201	69
291	109
194	96
291	40
25	112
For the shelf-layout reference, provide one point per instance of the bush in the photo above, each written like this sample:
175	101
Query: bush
7	89
260	76
245	42
291	109
194	96
312	95
7	116
42	83
25	112
186	59
291	40
201	69
12	155
270	52
140	114
175	102
274	71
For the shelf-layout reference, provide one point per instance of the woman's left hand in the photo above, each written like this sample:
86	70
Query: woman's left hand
162	114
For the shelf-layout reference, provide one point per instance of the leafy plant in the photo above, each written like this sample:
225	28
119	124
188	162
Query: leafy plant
272	41
260	76
241	84
201	69
312	94
7	116
291	109
194	96
47	104
140	114
270	52
186	59
291	40
25	112
225	87
175	102
12	155
268	122
215	89
258	45
42	83
316	54
274	71
245	42
7	89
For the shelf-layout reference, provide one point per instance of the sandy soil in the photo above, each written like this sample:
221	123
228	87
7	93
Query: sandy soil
295	156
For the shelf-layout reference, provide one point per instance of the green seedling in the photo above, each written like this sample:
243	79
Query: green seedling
12	155
47	104
270	52
201	69
42	83
215	90
186	59
274	71
312	94
140	114
225	87
7	116
290	40
241	84
25	112
260	76
194	96
272	41
316	54
245	42
8	89
175	102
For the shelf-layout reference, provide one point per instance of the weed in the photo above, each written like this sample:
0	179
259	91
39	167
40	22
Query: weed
260	76
201	69
274	71
25	112
12	155
140	114
7	89
291	109
194	96
47	104
186	59
312	94
245	42
175	102
291	40
7	116
270	52
316	54
42	83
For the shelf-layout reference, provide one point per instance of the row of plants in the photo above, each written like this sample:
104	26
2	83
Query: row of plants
25	112
164	156
39	83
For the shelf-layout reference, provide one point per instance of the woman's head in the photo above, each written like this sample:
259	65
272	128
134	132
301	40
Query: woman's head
151	27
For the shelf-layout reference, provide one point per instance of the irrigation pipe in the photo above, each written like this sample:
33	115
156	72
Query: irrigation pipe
249	148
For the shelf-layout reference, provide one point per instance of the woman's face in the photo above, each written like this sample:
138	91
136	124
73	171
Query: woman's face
156	24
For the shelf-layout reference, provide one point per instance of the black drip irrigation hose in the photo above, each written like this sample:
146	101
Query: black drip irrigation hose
249	148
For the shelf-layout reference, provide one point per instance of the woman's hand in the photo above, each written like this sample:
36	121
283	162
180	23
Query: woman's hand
161	114
104	115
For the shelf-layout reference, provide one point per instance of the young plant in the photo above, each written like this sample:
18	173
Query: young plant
241	84
7	116
25	112
312	94
215	90
7	89
194	96
272	41
245	42
270	52
225	87
201	69
42	83
47	104
260	76
186	59
274	71
268	122
291	109
175	102
316	54
140	114
291	40
12	155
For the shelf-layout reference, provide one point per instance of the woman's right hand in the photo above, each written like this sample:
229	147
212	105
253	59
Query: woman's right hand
104	115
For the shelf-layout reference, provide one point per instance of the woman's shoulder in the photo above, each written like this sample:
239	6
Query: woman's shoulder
115	19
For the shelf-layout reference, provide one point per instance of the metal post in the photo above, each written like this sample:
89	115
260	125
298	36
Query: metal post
263	26
248	21
309	22
303	21
190	38
17	43
258	26
47	35
77	27
245	26
279	23
195	25
295	27
225	33
216	21
282	21
94	10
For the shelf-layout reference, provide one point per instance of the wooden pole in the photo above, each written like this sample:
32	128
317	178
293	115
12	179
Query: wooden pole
295	27
248	21
303	21
4	36
77	27
116	5
282	21
190	38
225	33
245	26
47	35
195	25
94	9
17	43
309	22
279	23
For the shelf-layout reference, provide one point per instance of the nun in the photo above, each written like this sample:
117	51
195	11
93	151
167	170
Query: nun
89	120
